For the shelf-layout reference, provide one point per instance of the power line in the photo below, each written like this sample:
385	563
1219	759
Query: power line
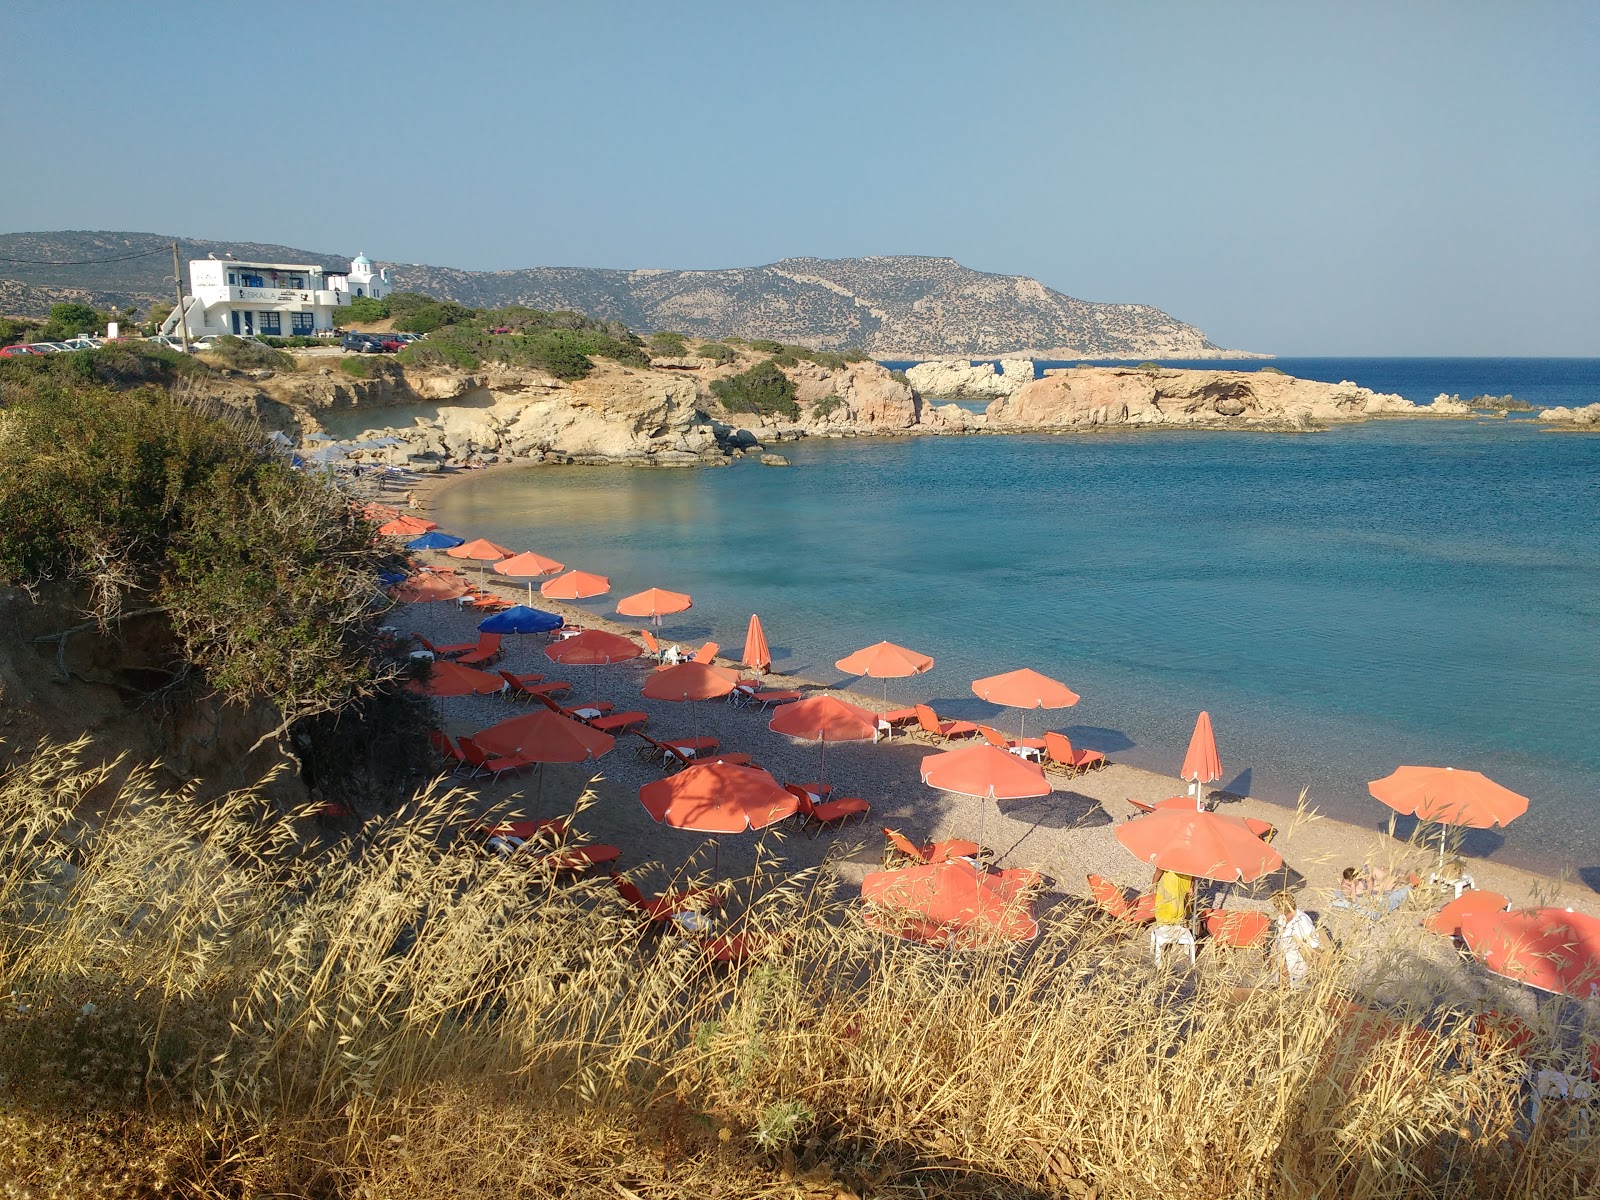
83	262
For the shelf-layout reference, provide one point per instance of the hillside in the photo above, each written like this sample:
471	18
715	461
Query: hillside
909	307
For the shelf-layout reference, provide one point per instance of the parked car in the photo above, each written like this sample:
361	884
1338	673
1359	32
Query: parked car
18	351
214	342
167	340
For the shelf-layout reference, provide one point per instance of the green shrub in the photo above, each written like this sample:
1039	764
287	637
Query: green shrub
362	310
763	389
438	352
434	315
71	319
900	377
668	345
19	329
1269	371
249	356
148	502
766	346
355	365
717	353
1148	366
826	405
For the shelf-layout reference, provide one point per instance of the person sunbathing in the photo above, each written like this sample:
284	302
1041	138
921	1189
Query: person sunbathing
1372	890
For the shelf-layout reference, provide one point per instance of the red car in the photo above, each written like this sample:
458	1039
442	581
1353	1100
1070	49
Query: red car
18	351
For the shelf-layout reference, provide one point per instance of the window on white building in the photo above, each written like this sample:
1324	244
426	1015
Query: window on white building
233	279
302	324
269	323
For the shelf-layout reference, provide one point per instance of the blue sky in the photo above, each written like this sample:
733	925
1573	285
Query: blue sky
1383	178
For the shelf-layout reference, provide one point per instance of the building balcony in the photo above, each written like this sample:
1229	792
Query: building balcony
282	296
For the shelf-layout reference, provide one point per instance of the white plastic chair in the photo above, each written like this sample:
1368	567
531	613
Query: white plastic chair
1166	935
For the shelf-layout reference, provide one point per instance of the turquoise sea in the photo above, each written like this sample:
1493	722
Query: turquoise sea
1343	602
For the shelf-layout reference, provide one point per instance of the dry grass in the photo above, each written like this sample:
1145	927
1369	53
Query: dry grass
211	1001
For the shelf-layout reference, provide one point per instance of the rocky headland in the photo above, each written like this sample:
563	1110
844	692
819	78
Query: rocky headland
668	415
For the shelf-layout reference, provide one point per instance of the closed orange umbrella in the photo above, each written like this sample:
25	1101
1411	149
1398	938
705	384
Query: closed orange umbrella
716	797
654	603
1553	949
756	654
425	586
529	566
1205	845
986	772
824	719
1024	689
885	661
575	585
965	904
1201	764
452	679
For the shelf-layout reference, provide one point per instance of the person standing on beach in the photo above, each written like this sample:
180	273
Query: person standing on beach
1297	939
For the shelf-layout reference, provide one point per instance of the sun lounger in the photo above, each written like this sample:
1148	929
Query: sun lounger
480	760
929	722
1059	752
772	699
523	830
706	654
1028	747
486	651
896	717
578	859
1139	911
668	905
604	720
731	947
652	648
675	752
1265	830
1236	928
827	812
447	749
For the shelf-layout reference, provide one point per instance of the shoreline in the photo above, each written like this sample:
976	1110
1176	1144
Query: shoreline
1317	845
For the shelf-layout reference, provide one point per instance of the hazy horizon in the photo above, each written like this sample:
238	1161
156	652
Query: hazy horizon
1370	181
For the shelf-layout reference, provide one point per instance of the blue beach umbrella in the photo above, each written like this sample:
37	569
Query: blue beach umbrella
519	618
434	540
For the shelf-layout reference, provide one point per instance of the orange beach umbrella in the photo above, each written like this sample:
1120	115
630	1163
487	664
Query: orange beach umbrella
654	603
1024	689
1201	765
962	903
717	797
529	566
480	549
452	679
425	586
1447	796
690	682
592	648
1206	845
986	772
575	585
1553	949
756	654
885	660
824	719
405	527
543	736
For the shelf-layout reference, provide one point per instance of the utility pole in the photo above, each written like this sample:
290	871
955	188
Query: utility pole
177	282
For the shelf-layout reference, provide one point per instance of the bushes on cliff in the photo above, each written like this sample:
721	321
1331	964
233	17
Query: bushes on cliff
763	389
363	310
250	356
153	503
717	352
668	345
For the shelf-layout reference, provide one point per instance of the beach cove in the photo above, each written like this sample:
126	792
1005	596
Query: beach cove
1316	590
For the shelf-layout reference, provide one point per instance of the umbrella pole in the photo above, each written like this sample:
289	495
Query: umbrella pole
538	795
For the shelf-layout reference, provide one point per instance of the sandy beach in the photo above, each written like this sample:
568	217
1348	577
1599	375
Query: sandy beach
1066	835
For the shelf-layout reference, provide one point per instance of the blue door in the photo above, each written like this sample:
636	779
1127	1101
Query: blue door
236	324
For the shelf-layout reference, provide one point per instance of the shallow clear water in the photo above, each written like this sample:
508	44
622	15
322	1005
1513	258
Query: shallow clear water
1394	592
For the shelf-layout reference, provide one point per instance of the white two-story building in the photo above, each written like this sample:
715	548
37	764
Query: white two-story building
272	299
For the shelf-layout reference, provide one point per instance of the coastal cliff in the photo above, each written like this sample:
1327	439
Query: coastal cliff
669	413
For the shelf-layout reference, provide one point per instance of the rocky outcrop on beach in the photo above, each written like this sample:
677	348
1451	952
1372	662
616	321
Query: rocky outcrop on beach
1585	417
958	379
1086	397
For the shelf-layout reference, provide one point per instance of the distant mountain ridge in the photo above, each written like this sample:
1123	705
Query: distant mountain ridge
910	307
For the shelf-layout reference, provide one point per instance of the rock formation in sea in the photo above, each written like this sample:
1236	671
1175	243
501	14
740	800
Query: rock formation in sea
959	379
1086	397
1586	417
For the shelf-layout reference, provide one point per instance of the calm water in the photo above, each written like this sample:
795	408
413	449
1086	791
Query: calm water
1422	592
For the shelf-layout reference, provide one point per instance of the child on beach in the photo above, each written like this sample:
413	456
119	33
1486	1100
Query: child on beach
1297	937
